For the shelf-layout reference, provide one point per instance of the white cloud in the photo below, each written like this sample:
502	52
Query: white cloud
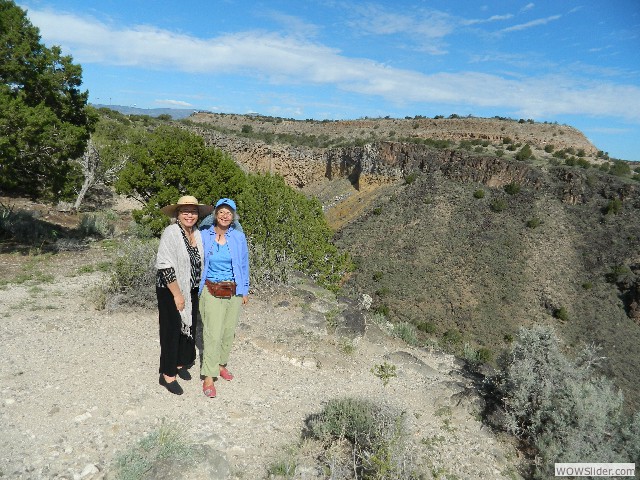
175	103
493	18
292	61
375	20
532	23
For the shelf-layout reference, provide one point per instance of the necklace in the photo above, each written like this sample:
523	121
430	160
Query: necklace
190	235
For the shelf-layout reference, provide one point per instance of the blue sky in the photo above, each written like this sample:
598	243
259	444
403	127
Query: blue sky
574	62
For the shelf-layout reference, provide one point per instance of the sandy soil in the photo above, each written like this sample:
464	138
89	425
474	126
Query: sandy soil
80	386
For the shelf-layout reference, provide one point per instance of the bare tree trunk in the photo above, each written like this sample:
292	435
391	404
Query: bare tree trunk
88	182
89	162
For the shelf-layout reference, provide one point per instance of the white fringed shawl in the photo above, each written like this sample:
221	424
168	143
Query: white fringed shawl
172	252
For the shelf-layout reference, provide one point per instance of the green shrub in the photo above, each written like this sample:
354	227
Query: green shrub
133	279
427	327
548	148
561	314
512	188
452	338
268	268
558	406
534	222
476	357
411	178
385	372
499	153
102	223
377	211
165	443
620	168
383	291
583	163
23	226
376	434
478	193
619	273
381	309
303	236
498	205
285	466
525	153
406	332
613	207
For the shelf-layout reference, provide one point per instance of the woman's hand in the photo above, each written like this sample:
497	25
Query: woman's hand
179	299
245	299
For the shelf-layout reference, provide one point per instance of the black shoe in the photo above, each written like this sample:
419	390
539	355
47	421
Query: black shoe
184	374
174	387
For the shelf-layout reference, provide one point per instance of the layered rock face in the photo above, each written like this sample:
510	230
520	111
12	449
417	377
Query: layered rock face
376	163
388	150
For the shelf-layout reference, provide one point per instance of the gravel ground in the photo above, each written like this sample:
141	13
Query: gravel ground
80	387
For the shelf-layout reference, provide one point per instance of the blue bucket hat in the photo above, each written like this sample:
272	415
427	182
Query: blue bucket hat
228	202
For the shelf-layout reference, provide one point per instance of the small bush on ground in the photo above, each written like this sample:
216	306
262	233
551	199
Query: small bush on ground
132	282
476	357
101	223
164	443
375	434
512	188
620	168
385	372
268	268
613	207
559	406
561	314
478	193
498	205
525	153
22	226
534	222
406	332
411	178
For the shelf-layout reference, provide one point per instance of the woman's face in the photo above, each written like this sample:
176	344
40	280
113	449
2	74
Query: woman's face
188	216
224	216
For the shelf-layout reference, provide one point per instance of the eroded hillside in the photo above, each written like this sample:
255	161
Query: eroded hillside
468	244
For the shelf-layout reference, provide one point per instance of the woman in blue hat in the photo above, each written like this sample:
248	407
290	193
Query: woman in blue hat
224	288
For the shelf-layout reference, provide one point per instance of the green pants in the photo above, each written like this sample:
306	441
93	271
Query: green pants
219	321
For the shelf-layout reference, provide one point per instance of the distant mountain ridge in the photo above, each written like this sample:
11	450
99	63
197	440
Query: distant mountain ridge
176	113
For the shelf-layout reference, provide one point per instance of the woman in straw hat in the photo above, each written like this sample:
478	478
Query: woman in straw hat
180	264
224	288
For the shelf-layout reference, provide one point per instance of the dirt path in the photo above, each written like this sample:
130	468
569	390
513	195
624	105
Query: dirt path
79	386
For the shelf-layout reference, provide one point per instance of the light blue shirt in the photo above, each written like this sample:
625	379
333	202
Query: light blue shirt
219	268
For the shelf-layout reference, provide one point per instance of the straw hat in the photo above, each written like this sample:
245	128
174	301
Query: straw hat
203	210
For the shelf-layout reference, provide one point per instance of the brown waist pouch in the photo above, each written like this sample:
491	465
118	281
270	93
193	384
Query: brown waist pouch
221	289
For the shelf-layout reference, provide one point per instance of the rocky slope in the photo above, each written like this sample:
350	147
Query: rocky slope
79	386
482	267
303	166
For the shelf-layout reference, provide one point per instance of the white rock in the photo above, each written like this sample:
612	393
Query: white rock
89	469
82	418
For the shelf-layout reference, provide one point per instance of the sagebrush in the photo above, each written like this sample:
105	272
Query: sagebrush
560	406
